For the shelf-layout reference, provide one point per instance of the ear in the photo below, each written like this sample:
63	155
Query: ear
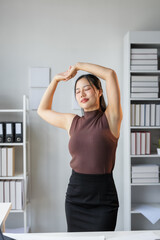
100	92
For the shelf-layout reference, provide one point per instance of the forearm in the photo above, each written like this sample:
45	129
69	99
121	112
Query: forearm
97	70
46	101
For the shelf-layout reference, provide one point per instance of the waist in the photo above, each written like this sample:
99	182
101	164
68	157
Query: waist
91	177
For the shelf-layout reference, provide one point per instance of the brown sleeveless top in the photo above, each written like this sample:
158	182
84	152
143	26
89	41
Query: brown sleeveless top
92	145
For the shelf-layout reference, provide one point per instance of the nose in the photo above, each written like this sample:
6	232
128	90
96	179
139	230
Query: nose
83	93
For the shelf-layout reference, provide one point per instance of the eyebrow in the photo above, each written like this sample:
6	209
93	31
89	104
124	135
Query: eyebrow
84	86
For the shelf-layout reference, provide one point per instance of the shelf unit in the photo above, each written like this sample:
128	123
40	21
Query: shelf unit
23	152
148	194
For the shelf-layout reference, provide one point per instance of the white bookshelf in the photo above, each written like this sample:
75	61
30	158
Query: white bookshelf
138	193
23	152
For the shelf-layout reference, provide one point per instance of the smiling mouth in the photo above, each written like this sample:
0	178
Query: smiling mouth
84	100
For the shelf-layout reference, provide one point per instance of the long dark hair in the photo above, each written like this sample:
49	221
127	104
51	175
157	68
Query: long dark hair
93	80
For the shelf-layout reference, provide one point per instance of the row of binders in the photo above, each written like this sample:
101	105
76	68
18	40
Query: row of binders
11	132
7	161
12	191
145	173
144	86
140	143
145	115
144	59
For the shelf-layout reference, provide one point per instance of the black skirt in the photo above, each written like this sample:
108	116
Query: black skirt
91	203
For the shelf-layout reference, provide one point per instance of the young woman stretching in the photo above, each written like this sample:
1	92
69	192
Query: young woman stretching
91	200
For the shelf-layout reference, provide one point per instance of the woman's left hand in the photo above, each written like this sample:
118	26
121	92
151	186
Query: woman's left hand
72	71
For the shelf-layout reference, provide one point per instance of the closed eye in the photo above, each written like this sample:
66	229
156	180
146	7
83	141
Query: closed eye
86	89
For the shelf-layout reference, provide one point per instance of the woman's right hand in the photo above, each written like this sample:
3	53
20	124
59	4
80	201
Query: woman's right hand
67	75
61	76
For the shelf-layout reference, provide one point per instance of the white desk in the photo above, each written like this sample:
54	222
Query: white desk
56	236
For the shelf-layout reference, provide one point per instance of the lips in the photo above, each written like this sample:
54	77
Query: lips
84	100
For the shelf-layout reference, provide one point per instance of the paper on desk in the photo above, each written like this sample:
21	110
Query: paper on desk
151	212
139	236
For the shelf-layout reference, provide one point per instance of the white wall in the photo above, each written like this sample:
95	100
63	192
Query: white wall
56	34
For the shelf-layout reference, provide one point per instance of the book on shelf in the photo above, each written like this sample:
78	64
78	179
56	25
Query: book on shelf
6	191
142	114
12	191
144	56
19	195
144	78
145	168
144	62
153	115
144	84
11	161
143	143
133	144
144	89
145	114
144	95
140	143
4	162
0	161
148	142
1	191
13	194
132	114
7	161
145	180
145	174
158	115
144	67
137	114
144	51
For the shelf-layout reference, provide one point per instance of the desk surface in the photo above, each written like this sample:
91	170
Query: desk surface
107	235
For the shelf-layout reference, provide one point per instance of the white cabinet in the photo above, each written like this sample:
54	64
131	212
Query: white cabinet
141	195
19	218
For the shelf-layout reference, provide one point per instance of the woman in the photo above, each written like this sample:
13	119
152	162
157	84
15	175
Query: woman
91	199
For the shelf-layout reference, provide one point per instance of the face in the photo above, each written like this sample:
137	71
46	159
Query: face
87	96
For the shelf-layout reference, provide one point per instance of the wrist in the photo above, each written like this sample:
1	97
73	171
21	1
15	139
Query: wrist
55	80
78	66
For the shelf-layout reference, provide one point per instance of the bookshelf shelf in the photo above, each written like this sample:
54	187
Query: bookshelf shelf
146	72
140	106
145	156
145	184
11	110
17	211
22	168
141	127
145	99
11	144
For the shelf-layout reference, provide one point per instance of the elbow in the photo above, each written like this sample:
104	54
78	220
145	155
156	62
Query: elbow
39	111
110	73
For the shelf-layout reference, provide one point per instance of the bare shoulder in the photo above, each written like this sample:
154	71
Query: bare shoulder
114	122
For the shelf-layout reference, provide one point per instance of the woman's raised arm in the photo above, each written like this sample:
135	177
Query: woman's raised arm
62	120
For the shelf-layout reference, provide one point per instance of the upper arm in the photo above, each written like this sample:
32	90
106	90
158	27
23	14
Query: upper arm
61	120
113	95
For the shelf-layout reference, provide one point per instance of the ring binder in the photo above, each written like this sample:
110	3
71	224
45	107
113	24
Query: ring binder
2	132
9	138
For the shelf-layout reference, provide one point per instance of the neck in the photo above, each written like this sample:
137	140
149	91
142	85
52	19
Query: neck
92	113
